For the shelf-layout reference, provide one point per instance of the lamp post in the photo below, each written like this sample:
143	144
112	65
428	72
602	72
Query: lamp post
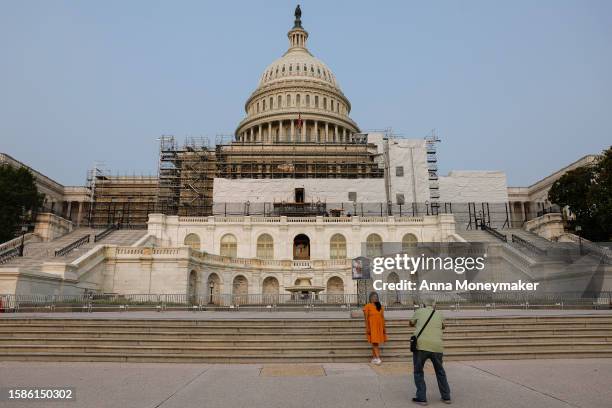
24	229
211	285
578	229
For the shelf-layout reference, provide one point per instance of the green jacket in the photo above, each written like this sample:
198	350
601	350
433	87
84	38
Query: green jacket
431	338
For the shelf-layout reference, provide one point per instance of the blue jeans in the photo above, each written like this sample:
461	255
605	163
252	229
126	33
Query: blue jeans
418	359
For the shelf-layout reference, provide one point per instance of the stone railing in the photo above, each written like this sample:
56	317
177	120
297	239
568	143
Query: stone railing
549	226
16	242
187	253
239	219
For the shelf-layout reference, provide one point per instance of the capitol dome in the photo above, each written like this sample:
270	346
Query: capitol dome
297	100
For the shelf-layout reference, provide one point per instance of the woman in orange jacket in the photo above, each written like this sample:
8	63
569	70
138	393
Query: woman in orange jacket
376	333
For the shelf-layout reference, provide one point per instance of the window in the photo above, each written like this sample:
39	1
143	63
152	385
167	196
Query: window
324	103
229	246
299	195
271	102
409	241
265	247
279	102
257	107
399	198
337	247
374	246
399	171
193	241
297	100
288	100
316	101
308	101
263	104
352	196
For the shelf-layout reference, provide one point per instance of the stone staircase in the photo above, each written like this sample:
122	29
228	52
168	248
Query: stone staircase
294	340
36	253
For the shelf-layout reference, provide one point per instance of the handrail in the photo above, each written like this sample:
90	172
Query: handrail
8	255
105	233
73	245
528	245
495	233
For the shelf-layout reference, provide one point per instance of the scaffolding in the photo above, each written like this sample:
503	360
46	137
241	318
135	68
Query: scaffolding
186	175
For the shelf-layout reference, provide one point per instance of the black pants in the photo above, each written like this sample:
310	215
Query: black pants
418	358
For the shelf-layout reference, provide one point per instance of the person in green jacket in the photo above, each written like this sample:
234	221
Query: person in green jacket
429	346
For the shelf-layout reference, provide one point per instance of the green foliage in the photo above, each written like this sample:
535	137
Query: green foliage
18	197
587	192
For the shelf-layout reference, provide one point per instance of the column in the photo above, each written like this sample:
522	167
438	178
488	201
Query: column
252	137
344	140
78	220
292	134
326	132
336	133
316	131
303	131
269	132
280	131
259	134
68	210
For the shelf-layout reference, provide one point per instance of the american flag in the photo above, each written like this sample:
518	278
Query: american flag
299	121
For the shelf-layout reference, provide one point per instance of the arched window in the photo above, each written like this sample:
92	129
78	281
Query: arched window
271	103
280	102
265	247
288	99
240	290
193	241
409	241
229	246
297	100
374	245
324	103
308	101
316	101
337	247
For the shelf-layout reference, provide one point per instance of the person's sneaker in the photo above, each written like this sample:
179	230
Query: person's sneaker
419	402
373	361
446	401
378	361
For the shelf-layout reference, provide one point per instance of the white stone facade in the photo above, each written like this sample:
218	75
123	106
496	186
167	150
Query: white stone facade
473	187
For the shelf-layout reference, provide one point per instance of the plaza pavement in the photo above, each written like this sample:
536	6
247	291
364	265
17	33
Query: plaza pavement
490	384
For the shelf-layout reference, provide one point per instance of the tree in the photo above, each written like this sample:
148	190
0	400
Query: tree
587	192
18	199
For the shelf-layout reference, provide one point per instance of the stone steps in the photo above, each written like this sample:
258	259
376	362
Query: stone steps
293	340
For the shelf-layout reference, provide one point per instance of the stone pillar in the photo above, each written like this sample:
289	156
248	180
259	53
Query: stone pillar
68	209
292	133
336	133
252	137
344	140
303	131
259	134
316	131
269	132
280	131
78	220
326	132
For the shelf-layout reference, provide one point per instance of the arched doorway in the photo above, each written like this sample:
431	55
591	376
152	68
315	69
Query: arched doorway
270	290
301	247
393	295
335	290
214	289
240	290
192	288
229	246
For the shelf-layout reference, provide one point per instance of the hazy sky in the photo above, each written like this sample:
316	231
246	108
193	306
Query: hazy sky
519	86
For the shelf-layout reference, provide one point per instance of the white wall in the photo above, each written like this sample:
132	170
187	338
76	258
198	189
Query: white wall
473	186
277	190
